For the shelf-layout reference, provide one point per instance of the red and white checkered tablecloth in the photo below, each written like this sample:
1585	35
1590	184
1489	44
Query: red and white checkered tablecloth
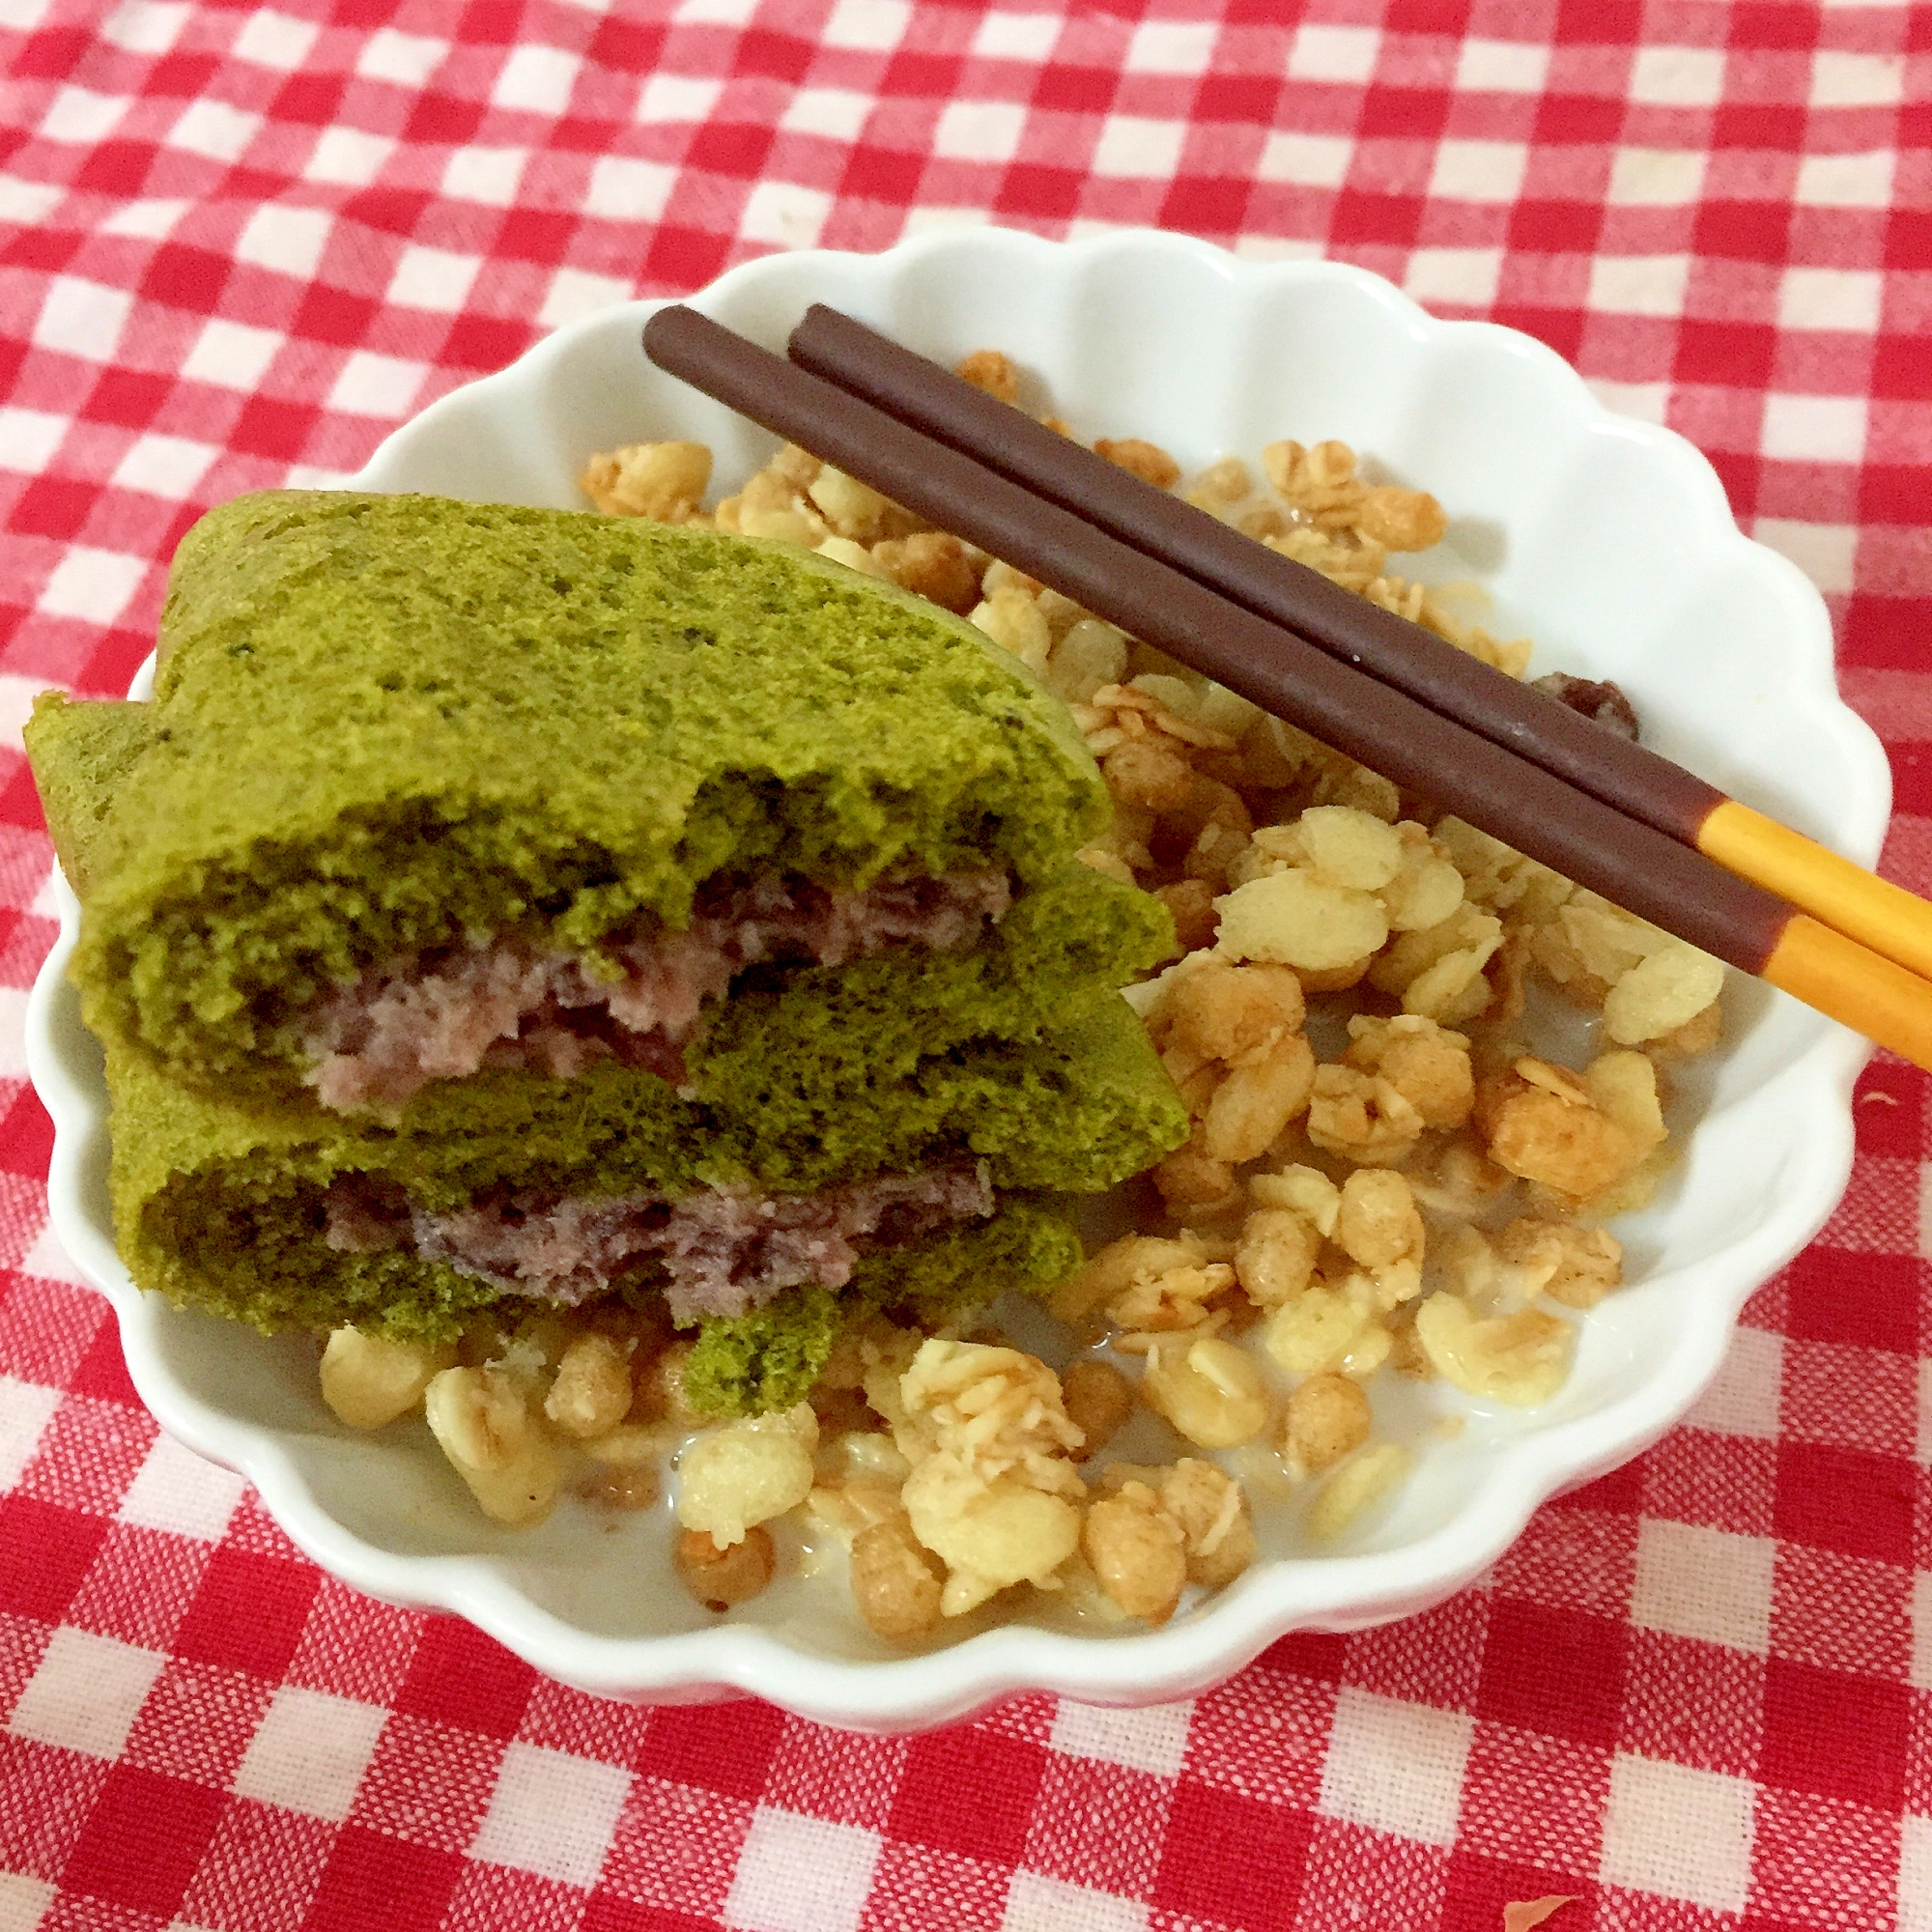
239	242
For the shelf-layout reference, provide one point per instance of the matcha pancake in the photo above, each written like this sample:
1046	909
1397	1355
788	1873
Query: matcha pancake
429	786
498	911
509	1191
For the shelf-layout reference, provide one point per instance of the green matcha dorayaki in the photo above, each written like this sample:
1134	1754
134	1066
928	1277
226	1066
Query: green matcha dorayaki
497	905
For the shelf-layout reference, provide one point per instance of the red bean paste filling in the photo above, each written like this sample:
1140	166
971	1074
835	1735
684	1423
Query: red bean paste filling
498	1002
720	1251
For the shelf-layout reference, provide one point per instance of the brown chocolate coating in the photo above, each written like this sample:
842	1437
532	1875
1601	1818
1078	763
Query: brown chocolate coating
1628	861
1450	682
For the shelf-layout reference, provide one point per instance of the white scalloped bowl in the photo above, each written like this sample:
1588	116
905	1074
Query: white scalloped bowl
1606	540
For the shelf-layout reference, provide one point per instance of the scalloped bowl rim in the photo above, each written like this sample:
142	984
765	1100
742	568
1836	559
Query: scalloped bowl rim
1335	1593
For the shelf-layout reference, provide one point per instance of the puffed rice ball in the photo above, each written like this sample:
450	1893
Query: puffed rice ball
747	1472
1661	993
1294	919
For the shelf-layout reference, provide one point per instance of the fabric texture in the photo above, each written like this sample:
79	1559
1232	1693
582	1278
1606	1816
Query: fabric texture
239	243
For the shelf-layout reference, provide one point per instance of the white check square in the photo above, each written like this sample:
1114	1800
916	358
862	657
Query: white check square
1664	76
1027	36
29	438
432	278
1152	1739
1656	177
215	130
979	131
83	117
1815	429
1841	79
1333	54
623	189
836	112
309	1752
1305	161
145	26
406	59
933	217
376	386
1171	47
784	213
573	292
552	1813
24	1901
163	466
1479	170
1639	284
536	79
83	318
868	26
800	1874
177	1490
1915	1874
1035	1903
230	355
1826	552
1678	1833
269	39
28	202
1467	277
147	221
1845	180
95	585
1396	1767
25	1410
1501	66
348	157
1137	148
16	708
288	240
1705	1583
677	97
1743	1399
85	1694
486	175
1834	299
